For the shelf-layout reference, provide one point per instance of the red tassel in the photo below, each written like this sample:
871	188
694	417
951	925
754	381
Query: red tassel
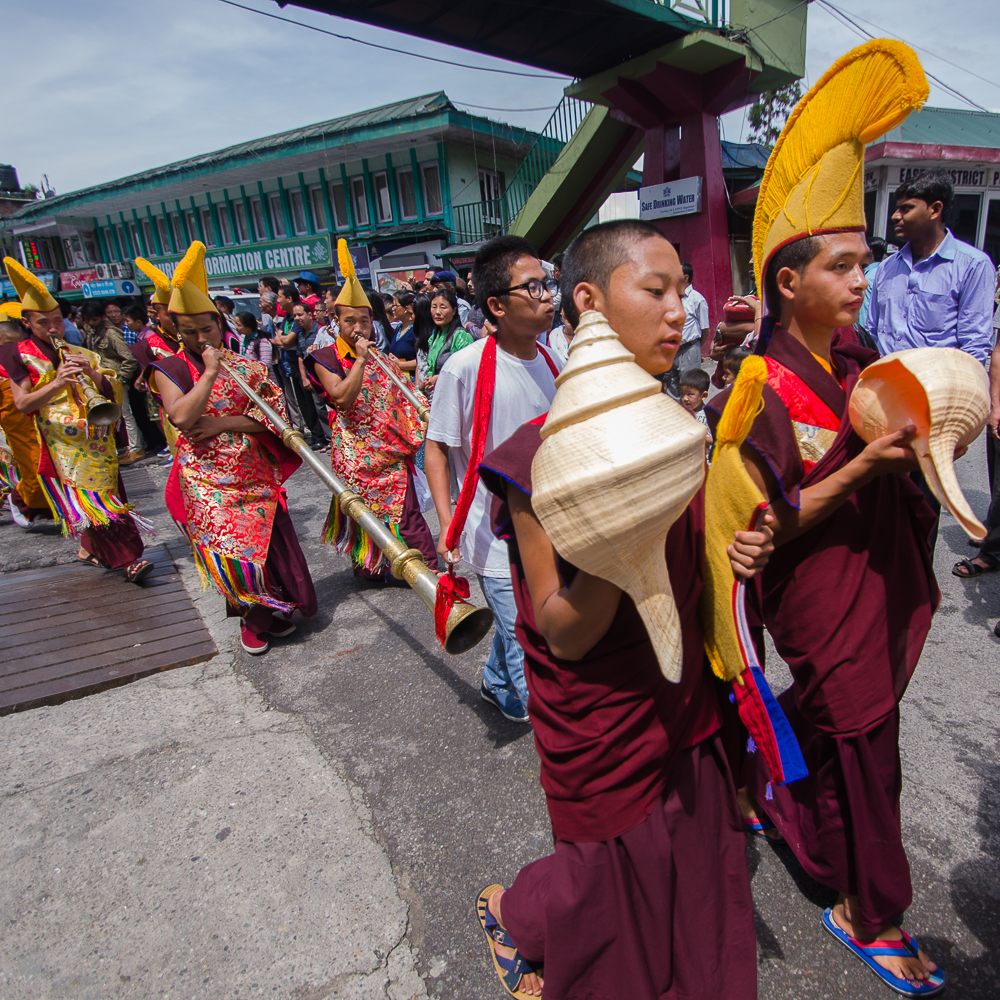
449	589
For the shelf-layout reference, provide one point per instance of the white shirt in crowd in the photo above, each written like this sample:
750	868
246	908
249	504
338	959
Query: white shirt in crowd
524	390
555	340
695	315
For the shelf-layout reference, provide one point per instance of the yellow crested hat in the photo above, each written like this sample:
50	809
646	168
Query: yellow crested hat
10	310
814	181
161	283
189	295
352	294
32	293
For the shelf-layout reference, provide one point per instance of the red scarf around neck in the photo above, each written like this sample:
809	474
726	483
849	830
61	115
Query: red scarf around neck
451	587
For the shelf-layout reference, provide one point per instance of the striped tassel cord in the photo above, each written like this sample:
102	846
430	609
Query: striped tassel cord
349	539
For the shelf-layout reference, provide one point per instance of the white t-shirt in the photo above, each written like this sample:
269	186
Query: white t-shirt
524	390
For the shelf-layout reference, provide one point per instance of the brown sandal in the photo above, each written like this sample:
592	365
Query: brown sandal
138	571
91	560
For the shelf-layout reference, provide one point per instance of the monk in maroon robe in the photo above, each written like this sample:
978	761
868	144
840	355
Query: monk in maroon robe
646	894
847	597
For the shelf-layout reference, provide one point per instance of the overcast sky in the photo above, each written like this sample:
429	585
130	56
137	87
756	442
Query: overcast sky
99	89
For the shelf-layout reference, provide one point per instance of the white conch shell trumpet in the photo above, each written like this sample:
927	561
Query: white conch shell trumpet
619	462
945	394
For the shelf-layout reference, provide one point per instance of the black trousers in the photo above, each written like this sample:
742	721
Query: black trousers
148	428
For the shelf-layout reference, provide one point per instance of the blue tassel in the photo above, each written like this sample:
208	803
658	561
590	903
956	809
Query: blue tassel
768	794
732	698
751	746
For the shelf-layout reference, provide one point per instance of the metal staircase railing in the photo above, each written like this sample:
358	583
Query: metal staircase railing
481	220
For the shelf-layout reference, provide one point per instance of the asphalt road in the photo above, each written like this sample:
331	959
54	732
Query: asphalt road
452	788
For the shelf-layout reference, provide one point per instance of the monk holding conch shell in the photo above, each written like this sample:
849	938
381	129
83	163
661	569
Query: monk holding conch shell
647	893
850	591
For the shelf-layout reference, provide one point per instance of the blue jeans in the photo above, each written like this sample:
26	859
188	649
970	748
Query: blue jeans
504	668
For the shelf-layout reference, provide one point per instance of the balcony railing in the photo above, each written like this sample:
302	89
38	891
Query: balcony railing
480	220
714	13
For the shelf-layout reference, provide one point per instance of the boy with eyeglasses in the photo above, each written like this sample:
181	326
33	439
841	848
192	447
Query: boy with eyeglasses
499	383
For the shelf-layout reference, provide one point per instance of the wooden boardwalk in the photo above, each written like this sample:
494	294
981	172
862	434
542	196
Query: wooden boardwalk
71	630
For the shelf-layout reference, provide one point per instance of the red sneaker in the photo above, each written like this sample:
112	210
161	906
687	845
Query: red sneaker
253	644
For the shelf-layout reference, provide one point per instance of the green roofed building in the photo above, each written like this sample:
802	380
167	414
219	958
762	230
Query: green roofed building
399	182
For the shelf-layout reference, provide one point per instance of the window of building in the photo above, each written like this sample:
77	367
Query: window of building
177	228
123	244
964	221
338	202
360	201
225	227
491	193
240	221
206	225
79	250
277	215
407	194
991	240
383	204
133	233
147	235
161	228
432	189
318	208
298	212
192	228
257	217
109	243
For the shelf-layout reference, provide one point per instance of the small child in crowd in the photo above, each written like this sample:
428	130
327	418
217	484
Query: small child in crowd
731	362
694	392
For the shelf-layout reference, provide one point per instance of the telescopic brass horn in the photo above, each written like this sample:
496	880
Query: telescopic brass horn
467	625
102	413
423	410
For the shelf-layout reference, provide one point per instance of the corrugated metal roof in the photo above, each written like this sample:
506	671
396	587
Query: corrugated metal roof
400	110
948	127
744	155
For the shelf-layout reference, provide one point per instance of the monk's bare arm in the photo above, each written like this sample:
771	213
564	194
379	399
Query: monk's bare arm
344	391
817	502
573	619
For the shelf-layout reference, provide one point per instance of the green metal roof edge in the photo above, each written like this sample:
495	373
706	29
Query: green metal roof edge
209	163
664	14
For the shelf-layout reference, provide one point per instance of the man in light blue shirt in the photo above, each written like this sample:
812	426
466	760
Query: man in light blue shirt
937	291
878	247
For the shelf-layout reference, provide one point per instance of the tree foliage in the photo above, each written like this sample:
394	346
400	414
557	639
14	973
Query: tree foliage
768	114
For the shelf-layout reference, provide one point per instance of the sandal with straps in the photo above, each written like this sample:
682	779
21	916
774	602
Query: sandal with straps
510	970
868	950
138	571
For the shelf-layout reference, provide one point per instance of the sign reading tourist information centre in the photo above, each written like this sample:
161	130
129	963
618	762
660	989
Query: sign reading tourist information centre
664	201
253	259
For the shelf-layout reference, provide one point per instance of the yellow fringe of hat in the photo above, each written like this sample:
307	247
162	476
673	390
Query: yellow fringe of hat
814	181
161	283
32	293
352	294
10	310
189	296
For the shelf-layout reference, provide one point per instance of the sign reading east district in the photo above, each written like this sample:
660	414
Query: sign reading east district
663	201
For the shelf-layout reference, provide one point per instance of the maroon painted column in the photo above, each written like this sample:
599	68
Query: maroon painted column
702	237
678	110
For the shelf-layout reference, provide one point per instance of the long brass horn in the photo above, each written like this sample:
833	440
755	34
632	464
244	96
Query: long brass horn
102	413
467	625
423	410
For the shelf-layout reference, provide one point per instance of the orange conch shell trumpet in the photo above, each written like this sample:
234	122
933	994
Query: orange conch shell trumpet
945	394
619	462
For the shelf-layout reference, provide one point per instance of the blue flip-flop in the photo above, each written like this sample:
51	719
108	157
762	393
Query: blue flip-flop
510	970
867	951
759	828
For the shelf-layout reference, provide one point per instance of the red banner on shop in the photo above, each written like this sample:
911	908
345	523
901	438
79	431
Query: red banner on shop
73	281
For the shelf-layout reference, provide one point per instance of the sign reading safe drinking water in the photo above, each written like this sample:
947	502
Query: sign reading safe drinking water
663	201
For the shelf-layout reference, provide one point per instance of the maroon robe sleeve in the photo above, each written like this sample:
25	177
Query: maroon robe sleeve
608	727
174	369
142	353
11	360
325	357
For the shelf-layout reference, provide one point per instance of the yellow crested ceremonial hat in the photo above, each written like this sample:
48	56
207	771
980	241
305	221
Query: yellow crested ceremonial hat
189	295
161	283
814	181
352	294
32	293
10	310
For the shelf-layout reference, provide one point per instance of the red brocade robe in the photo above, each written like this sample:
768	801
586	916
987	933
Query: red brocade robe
848	604
225	492
646	895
